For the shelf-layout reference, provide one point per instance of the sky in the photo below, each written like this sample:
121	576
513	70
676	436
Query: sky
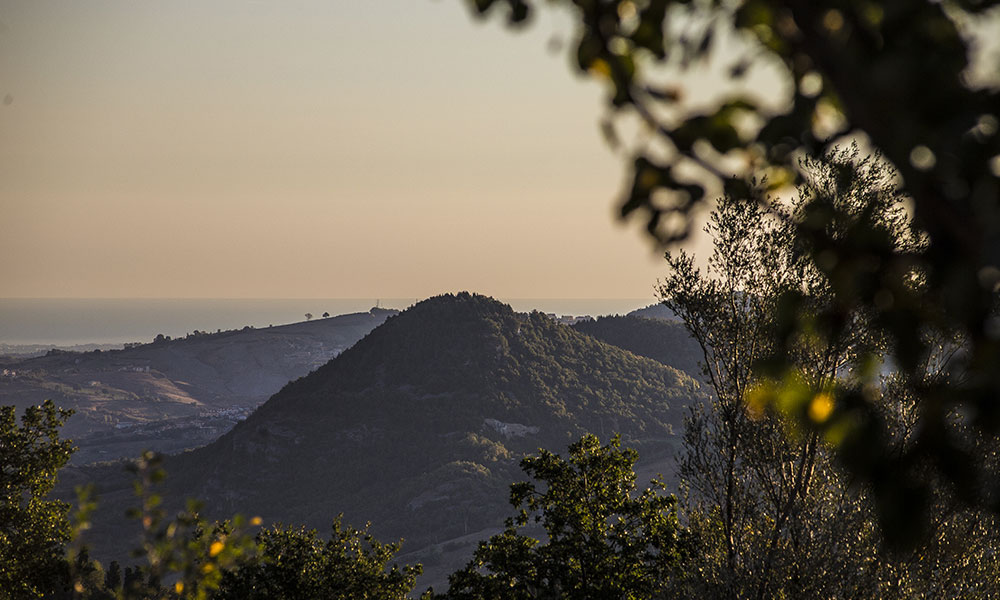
299	148
305	149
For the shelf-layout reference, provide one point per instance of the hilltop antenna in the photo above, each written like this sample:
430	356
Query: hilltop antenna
378	303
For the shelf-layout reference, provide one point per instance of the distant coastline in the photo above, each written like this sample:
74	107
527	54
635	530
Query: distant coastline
68	322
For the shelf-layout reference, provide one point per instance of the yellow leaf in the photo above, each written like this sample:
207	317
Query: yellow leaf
821	407
757	399
600	67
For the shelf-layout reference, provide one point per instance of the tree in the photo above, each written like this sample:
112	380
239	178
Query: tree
790	523
743	471
185	556
33	529
294	563
113	576
309	316
326	315
603	541
897	74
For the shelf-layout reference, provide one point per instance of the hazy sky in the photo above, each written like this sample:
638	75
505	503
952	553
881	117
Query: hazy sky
301	148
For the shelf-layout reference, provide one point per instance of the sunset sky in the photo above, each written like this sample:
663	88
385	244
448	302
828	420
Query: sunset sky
303	148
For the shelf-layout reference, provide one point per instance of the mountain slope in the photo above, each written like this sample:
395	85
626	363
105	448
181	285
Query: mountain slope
144	395
663	340
419	427
655	311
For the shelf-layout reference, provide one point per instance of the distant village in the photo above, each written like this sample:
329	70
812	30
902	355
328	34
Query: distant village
206	419
568	319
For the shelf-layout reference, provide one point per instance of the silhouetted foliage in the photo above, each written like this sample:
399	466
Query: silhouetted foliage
895	73
790	522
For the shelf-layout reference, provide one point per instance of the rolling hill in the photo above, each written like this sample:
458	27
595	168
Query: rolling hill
663	340
419	427
175	394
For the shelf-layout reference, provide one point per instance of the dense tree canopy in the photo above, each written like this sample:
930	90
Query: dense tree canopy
295	563
896	74
603	540
33	528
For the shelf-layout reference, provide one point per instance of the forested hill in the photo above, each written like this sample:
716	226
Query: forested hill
663	340
655	311
420	426
471	354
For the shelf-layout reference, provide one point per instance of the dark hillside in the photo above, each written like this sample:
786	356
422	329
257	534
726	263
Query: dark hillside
419	427
655	311
665	341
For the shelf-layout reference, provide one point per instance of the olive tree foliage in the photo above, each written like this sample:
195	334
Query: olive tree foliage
33	528
788	521
761	484
895	73
604	539
182	555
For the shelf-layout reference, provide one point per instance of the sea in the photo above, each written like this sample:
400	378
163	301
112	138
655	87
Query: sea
68	322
